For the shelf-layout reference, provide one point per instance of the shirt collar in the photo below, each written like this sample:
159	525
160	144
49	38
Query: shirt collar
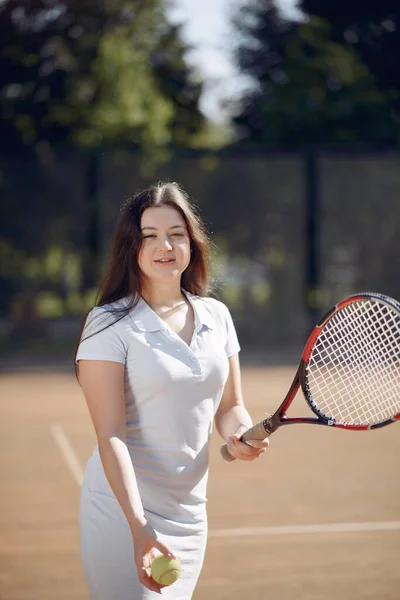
147	320
202	313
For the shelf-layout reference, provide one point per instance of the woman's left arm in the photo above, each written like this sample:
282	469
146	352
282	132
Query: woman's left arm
232	418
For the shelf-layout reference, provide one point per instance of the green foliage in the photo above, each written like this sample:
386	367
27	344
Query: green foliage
83	73
327	94
94	73
129	106
307	85
373	31
175	81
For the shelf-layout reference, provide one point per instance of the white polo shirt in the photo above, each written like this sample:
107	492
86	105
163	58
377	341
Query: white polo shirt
172	392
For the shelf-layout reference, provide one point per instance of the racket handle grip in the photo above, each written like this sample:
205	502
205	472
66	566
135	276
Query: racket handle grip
257	432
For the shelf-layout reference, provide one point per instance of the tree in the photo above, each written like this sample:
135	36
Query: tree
82	73
60	58
308	87
372	29
176	82
259	54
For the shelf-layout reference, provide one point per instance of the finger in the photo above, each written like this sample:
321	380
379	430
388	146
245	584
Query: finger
254	443
148	582
234	447
163	548
249	457
242	451
240	431
149	557
249	449
242	447
260	444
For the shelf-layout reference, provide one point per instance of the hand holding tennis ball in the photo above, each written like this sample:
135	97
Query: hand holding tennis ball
164	570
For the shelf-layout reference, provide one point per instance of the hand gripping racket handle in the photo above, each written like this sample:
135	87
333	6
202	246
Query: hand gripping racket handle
257	432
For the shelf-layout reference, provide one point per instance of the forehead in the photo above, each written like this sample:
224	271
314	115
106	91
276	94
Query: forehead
161	216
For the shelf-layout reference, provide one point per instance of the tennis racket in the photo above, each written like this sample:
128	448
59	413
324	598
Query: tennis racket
349	372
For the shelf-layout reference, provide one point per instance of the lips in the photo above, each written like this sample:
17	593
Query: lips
165	261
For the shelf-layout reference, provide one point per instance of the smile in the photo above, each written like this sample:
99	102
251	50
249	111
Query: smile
165	260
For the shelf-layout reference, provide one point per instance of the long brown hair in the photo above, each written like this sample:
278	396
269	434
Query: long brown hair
123	277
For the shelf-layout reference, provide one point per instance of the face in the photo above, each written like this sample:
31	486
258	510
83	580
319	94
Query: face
165	250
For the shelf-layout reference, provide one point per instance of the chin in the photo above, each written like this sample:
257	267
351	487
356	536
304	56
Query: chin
166	276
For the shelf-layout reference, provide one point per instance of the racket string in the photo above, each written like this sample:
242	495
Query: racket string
379	383
374	380
360	389
332	381
353	374
376	384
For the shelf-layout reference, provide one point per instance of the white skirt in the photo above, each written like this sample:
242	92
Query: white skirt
107	552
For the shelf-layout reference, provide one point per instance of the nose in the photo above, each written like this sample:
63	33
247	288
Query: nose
165	243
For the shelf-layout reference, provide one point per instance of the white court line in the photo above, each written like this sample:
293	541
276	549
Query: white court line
304	529
74	465
68	452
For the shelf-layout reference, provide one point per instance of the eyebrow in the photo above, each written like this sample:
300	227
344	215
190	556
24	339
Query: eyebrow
155	228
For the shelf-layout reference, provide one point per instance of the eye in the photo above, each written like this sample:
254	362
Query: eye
177	234
150	235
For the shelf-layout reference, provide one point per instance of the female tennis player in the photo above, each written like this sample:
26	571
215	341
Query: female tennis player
158	363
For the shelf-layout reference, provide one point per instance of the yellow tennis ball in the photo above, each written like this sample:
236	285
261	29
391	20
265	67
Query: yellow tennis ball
165	570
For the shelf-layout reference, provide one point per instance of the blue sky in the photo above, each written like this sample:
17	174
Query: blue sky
206	28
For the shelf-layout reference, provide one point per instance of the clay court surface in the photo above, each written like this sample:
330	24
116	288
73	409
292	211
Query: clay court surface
343	487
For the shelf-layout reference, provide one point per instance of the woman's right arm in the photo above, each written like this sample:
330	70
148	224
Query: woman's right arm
102	383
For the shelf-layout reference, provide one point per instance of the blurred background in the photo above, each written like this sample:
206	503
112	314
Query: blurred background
281	120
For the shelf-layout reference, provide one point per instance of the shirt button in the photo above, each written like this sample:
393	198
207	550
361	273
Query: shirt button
192	358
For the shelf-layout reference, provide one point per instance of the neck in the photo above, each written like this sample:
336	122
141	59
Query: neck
162	296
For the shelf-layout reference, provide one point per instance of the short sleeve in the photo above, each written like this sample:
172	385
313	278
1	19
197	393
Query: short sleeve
101	338
232	345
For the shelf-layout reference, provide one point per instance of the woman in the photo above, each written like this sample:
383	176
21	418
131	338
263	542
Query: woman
158	362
